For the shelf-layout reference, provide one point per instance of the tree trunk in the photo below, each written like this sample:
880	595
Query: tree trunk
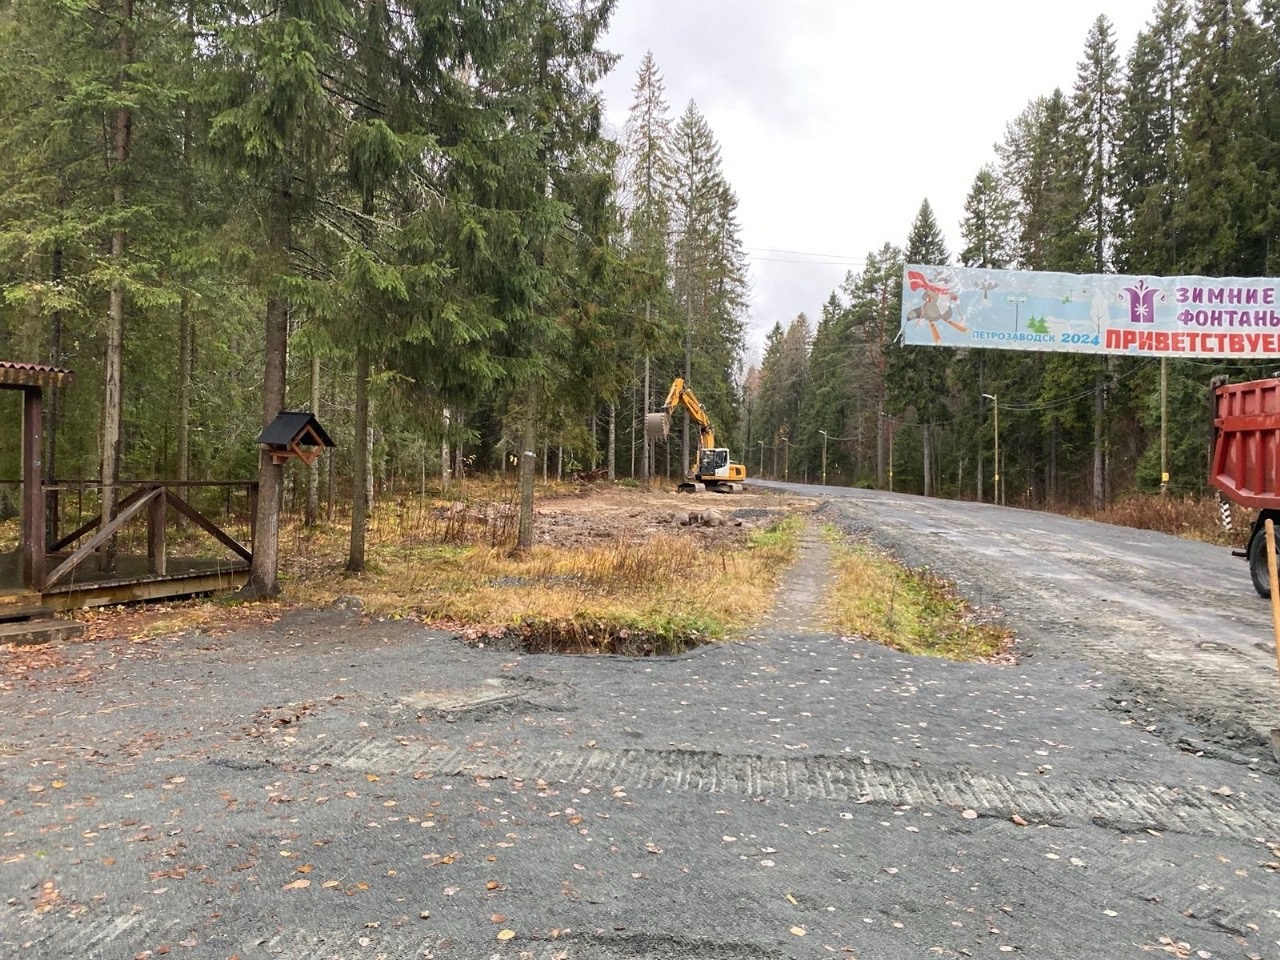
52	410
360	465
185	335
459	448
445	459
1099	411
648	397
880	431
113	362
312	516
528	460
613	440
1052	485
685	459
927	462
372	469
264	570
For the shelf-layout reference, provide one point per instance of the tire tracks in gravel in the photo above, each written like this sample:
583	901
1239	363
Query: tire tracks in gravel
1127	806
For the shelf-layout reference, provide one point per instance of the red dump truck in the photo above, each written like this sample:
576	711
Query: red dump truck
1246	460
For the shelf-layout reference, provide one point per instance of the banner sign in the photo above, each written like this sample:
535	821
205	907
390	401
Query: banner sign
1091	313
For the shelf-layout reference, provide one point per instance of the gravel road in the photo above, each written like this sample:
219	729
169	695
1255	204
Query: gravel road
335	787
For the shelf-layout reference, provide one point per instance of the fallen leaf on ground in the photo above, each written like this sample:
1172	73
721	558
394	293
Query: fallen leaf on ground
506	934
299	884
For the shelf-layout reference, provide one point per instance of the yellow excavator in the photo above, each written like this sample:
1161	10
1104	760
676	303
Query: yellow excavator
712	470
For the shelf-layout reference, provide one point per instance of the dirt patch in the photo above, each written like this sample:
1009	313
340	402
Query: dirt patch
603	512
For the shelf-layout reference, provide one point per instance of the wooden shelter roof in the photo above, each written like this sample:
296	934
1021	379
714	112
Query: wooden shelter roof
16	376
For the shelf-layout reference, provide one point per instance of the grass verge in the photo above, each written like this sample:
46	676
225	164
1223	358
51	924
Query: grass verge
914	611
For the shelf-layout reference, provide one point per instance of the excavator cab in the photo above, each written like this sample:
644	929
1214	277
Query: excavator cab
713	462
715	471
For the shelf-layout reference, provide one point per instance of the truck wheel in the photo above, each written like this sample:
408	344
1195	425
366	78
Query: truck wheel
1258	571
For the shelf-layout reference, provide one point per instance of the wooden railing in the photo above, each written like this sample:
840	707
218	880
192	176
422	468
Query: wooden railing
149	498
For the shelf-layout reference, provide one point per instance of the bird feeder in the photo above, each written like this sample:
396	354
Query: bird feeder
294	435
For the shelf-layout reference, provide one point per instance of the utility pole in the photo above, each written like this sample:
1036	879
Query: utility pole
996	402
1164	425
824	457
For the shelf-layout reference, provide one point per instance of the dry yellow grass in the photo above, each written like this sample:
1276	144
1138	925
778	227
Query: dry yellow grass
1196	518
666	585
909	610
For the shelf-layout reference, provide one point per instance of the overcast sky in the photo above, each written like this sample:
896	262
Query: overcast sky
836	118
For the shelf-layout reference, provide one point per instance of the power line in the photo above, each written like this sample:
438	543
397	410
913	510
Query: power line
807	253
817	263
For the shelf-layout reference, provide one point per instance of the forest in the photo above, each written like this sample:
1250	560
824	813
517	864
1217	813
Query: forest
407	217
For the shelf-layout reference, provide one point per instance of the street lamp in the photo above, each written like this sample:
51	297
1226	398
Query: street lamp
893	428
824	457
761	442
786	459
1017	300
996	400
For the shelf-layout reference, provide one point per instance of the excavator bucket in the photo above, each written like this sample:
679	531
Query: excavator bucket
656	426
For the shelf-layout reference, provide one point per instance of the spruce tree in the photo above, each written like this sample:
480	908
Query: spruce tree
1095	105
1220	226
918	375
273	118
1149	123
644	182
709	270
988	222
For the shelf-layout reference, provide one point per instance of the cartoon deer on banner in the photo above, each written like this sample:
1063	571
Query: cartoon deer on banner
935	307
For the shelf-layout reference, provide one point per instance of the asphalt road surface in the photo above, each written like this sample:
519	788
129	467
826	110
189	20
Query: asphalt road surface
1180	617
331	787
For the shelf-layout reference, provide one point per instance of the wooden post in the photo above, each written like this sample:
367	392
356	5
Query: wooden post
33	532
155	536
1275	589
253	512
